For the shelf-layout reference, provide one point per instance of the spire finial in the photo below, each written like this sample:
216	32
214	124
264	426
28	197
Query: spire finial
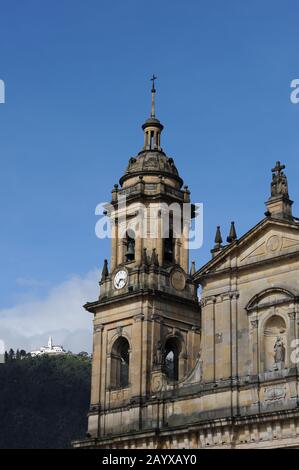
218	237
153	95
232	233
193	269
218	242
105	271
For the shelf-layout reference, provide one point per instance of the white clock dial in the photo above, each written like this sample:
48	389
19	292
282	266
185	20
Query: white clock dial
120	279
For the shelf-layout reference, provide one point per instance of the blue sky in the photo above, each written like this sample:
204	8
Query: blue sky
77	91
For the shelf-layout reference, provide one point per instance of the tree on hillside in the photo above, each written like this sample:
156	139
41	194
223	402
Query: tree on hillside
11	355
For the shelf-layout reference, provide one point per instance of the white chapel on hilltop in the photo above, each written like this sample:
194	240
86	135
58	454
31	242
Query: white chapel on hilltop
49	349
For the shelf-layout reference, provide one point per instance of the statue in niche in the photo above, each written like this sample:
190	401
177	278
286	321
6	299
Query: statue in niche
279	351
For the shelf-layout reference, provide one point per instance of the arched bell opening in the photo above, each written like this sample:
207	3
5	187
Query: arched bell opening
120	363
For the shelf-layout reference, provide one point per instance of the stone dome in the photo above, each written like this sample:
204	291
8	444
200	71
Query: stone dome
151	162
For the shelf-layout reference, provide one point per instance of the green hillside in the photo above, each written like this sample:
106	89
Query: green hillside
44	401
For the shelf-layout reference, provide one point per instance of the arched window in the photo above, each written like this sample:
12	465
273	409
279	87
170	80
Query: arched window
171	361
274	347
120	363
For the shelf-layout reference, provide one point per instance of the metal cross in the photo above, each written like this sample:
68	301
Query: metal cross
153	80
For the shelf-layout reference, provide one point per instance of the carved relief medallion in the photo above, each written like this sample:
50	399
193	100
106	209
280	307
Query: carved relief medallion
178	280
273	244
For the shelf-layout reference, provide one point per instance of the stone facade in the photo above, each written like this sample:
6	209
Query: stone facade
171	370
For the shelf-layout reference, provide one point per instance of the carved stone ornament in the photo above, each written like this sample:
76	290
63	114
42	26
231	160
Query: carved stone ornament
157	384
292	315
275	393
218	338
273	243
119	330
98	328
178	280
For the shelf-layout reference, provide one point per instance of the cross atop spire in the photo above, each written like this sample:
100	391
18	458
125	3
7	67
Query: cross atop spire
279	204
153	95
279	184
153	80
278	168
152	127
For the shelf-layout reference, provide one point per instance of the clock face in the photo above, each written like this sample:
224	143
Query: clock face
120	279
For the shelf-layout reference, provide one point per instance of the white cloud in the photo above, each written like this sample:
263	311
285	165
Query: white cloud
30	282
28	324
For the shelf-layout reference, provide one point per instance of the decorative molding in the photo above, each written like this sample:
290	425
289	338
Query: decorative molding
119	330
195	328
257	301
254	323
226	296
95	408
98	328
292	315
229	295
139	317
156	318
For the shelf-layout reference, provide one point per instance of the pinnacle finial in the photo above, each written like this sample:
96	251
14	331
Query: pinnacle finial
154	258
218	237
193	269
153	113
105	271
144	260
232	233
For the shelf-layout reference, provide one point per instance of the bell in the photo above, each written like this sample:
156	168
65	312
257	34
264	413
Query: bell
130	253
168	250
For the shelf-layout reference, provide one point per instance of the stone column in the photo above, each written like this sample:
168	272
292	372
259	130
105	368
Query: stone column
136	367
114	234
185	246
120	251
208	336
194	346
291	336
234	333
96	364
177	253
160	238
138	250
223	337
254	344
96	370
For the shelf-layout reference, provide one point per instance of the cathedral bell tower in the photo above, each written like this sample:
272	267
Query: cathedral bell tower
147	317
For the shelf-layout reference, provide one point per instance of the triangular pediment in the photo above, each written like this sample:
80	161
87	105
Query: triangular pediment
268	239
